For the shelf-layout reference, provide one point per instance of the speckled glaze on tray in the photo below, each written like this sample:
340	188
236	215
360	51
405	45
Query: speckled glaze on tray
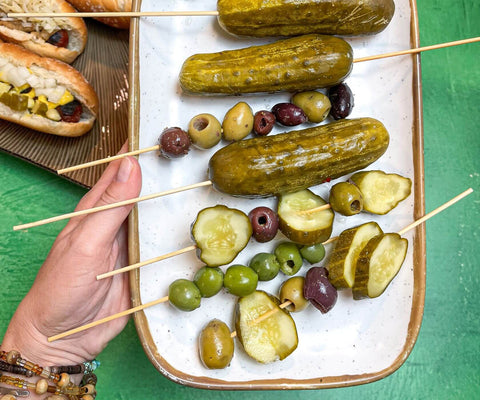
104	65
357	341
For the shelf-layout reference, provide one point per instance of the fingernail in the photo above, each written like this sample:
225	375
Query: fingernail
125	170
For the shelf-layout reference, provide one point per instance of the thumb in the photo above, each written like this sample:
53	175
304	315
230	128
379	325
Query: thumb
101	227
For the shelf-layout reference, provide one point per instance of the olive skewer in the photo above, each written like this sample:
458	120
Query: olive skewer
368	58
164	299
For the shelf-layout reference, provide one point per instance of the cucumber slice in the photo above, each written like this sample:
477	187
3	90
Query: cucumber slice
381	192
220	234
378	263
341	266
304	228
270	339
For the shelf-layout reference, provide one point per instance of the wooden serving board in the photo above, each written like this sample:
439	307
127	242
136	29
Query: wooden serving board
105	65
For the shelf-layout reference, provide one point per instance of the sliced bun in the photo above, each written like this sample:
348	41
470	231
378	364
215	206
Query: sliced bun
106	5
64	75
25	33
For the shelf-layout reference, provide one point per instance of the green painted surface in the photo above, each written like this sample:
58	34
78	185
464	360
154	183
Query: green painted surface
444	363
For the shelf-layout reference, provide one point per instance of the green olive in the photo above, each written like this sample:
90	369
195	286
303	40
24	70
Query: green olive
265	265
314	104
292	290
240	280
184	295
215	345
289	257
238	122
346	198
313	253
209	281
205	131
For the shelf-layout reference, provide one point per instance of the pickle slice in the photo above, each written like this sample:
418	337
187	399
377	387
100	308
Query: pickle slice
341	266
381	192
300	227
220	234
378	263
269	339
17	102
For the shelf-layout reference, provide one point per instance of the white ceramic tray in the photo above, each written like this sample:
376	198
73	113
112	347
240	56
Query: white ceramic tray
357	341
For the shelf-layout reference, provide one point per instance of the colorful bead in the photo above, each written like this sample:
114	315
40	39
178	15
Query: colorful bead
12	357
41	386
89	389
8	397
64	380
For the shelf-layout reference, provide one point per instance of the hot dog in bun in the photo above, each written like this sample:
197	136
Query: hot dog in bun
44	94
106	5
60	38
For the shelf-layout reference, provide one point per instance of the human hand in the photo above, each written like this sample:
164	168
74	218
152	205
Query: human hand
65	293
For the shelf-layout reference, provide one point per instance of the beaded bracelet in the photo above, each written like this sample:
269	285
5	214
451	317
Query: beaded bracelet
83	368
63	385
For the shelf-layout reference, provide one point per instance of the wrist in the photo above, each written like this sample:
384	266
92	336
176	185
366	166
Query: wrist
30	340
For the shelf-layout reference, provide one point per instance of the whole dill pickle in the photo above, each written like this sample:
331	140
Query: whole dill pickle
300	63
288	162
260	18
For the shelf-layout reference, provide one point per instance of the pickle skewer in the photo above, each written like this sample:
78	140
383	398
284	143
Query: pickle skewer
164	299
332	239
112	14
368	58
341	157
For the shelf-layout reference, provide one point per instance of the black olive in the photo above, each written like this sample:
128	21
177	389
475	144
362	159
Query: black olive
341	98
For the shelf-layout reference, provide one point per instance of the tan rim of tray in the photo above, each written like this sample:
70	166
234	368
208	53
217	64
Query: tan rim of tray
419	259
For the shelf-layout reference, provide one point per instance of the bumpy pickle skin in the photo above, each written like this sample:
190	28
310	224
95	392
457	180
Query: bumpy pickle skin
301	63
341	266
284	163
259	18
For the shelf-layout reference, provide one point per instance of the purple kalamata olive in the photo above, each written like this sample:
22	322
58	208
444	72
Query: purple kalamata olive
289	114
318	289
341	98
264	223
174	142
263	122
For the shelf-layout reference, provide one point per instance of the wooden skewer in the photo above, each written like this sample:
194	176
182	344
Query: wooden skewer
164	299
108	159
418	49
110	206
314	210
436	211
107	319
112	14
147	262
